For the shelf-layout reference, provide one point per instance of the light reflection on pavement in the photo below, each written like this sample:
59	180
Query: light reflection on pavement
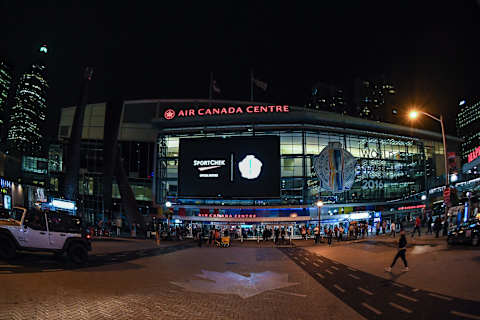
233	283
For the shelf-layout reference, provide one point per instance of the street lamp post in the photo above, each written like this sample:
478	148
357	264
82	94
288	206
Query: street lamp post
319	204
414	115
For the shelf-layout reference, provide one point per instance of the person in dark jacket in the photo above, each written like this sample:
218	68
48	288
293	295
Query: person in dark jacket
402	249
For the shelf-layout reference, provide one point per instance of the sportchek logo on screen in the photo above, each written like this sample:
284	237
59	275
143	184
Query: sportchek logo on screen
205	167
171	113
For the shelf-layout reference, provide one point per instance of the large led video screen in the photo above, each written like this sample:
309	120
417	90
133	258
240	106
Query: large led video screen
233	167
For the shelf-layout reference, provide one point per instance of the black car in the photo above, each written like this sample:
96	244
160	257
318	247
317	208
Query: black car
467	232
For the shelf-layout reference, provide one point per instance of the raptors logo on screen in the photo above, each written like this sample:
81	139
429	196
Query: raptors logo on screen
250	167
169	114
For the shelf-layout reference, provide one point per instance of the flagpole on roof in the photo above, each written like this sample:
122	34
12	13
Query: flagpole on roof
251	84
210	93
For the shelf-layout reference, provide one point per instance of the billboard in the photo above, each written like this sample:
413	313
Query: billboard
233	167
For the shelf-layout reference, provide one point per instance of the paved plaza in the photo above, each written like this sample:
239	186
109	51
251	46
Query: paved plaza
135	279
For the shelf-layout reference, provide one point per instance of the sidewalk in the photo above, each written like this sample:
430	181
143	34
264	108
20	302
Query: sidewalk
113	245
434	266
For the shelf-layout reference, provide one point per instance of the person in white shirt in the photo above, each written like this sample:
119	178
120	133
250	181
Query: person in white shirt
392	229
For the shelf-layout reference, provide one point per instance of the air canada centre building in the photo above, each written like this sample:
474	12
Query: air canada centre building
222	160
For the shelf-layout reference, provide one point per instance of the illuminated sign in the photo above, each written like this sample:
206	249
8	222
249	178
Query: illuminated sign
250	167
474	154
420	206
170	113
63	204
218	215
7	202
207	165
5	183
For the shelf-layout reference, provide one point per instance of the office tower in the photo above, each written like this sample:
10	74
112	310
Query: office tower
374	99
327	98
6	77
28	112
468	128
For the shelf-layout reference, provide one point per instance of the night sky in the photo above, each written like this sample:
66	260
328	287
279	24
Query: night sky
430	50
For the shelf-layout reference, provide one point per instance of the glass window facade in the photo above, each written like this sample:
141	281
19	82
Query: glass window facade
388	167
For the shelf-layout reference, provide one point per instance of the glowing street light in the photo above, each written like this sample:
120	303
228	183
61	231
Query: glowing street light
413	115
319	203
168	204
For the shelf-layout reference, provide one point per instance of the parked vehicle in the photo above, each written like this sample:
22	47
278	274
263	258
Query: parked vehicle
35	230
467	232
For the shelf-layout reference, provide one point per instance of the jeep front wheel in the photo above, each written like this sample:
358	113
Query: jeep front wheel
7	249
78	254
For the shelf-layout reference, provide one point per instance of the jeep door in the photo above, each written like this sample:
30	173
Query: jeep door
35	233
57	233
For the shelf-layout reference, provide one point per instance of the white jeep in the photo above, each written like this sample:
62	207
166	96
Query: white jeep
35	230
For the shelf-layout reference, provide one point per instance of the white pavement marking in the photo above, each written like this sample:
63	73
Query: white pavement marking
369	307
351	269
292	293
465	315
303	263
440	297
320	260
329	271
415	290
333	267
400	307
397	285
307	259
296	258
365	291
407	297
336	286
315	264
353	276
320	275
335	262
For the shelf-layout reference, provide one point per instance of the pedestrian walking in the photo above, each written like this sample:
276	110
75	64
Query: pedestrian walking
437	226
418	223
384	226
429	224
210	238
304	233
377	227
402	249
283	233
330	236
340	233
445	227
316	231
392	229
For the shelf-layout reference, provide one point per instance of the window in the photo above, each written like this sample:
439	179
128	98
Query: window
36	220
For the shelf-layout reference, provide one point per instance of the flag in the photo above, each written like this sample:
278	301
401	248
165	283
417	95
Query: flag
262	85
215	88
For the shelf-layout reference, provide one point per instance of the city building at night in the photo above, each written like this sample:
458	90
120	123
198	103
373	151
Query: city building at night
468	128
6	77
373	99
327	98
28	112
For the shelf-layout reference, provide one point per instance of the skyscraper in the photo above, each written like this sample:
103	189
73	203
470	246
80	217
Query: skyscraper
373	99
5	86
28	113
327	98
468	127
